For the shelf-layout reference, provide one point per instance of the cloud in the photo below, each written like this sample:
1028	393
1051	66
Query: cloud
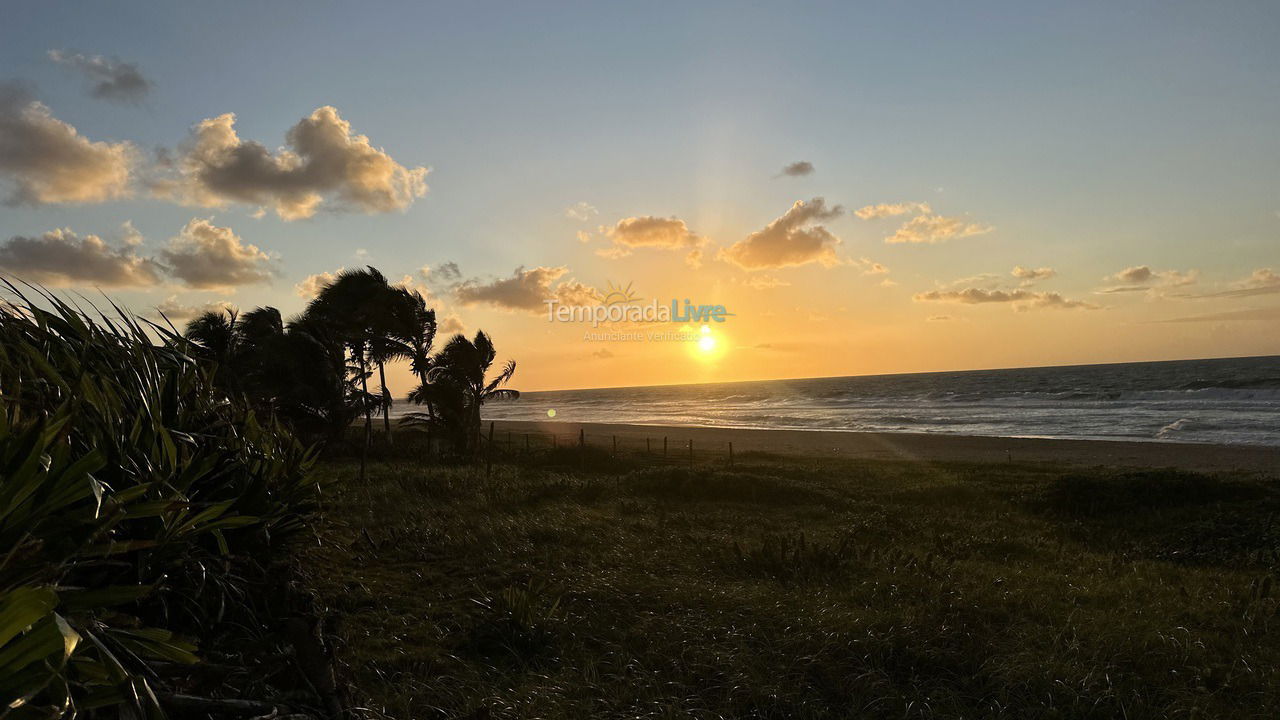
939	318
883	210
580	211
1137	274
49	162
178	312
764	282
1022	299
311	285
790	240
603	354
1250	314
322	165
526	290
1262	281
206	256
447	273
451	324
870	267
799	168
935	229
1029	275
60	257
1141	278
110	79
653	232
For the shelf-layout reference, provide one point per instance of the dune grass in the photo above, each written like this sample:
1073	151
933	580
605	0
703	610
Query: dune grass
789	588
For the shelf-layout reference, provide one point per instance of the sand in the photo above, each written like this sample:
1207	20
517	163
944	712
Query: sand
903	446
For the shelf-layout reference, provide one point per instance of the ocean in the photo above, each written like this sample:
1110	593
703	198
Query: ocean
1227	401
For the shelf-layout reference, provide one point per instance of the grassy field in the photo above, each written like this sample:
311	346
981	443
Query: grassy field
568	587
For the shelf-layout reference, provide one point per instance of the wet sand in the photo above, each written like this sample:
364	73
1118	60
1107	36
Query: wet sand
906	446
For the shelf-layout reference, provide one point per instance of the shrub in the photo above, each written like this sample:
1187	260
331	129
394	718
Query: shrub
135	503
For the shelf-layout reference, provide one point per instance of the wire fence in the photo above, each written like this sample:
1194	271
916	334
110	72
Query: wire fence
659	448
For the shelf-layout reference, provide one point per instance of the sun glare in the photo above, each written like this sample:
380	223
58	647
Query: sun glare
708	346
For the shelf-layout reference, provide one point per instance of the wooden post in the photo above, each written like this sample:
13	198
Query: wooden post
615	444
555	442
526	443
488	461
730	454
664	446
648	449
690	452
582	437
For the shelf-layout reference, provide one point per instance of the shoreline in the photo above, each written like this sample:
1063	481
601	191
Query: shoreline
919	447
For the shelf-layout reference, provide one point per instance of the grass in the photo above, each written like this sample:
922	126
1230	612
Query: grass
788	588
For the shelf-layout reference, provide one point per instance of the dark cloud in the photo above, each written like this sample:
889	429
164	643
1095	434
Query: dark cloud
323	164
797	169
61	257
796	238
109	78
49	162
526	290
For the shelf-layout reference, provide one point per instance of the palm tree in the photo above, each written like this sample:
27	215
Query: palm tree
214	334
349	308
412	331
462	369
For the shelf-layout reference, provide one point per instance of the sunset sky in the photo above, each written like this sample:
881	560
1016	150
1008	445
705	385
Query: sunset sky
887	187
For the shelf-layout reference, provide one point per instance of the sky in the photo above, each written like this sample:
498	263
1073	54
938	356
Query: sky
867	188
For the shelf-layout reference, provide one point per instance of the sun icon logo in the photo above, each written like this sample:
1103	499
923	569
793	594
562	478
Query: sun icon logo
617	295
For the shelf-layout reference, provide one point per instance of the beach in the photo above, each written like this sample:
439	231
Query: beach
1264	460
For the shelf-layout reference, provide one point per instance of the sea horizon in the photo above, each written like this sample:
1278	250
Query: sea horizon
1229	401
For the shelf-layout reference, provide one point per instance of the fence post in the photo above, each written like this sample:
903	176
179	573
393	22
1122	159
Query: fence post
582	437
647	447
731	454
690	452
664	446
615	445
488	461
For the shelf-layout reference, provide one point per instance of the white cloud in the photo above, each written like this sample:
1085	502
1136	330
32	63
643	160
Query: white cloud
178	312
311	285
580	211
884	210
935	229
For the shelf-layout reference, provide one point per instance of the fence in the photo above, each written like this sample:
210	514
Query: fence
662	447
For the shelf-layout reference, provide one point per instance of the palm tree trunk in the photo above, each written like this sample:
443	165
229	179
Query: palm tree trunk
386	402
368	419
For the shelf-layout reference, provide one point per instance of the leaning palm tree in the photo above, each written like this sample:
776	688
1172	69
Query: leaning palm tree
410	332
350	308
463	367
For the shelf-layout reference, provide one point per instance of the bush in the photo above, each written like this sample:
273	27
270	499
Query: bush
136	507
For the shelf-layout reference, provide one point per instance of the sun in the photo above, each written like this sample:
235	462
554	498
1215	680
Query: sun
708	346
